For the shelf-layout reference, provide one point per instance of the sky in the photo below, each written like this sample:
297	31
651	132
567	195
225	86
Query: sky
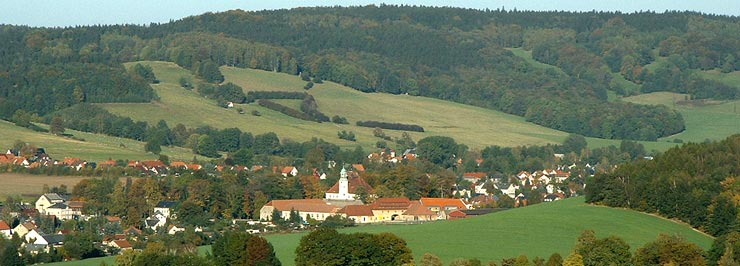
61	13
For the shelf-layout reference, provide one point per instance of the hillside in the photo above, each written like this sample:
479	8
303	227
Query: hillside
473	126
725	117
713	120
538	230
95	147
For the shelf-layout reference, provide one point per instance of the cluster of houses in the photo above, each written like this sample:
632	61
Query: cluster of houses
60	207
344	199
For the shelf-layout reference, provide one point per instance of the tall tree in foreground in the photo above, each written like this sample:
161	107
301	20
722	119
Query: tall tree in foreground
670	250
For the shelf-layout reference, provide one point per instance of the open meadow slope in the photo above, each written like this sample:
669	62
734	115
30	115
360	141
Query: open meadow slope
537	230
95	147
473	126
713	120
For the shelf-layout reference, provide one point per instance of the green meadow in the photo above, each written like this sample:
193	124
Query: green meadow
713	120
473	126
537	230
95	147
709	120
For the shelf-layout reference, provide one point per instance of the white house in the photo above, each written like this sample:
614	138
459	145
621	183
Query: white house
173	229
289	171
5	230
510	191
62	211
165	208
317	209
47	200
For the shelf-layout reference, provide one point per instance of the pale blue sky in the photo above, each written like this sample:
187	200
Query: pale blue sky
55	13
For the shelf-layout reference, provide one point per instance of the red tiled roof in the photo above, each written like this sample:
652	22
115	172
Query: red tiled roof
107	163
390	204
4	225
443	202
122	243
113	219
132	229
417	209
178	164
359	167
477	175
288	169
357	210
354	183
194	166
457	214
562	173
76	204
303	205
153	163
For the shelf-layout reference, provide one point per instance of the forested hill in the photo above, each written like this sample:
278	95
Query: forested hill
698	183
447	53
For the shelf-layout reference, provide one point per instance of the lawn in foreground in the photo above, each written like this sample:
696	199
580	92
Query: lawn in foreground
537	230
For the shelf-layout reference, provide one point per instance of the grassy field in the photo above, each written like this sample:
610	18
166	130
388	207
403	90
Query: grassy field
473	126
711	120
95	147
27	185
538	230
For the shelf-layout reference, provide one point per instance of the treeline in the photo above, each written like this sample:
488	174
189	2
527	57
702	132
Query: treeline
367	48
351	249
223	94
285	110
680	184
393	126
42	89
257	95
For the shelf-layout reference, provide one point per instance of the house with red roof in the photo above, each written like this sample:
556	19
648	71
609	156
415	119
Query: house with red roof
417	212
390	209
317	209
289	171
443	206
474	177
5	230
361	214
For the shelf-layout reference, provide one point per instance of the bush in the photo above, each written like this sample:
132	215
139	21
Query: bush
346	135
308	86
393	126
339	120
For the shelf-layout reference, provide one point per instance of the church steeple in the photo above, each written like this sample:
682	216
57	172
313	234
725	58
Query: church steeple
343	183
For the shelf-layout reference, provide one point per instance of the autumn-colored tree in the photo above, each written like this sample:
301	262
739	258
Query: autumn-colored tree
429	259
670	250
574	259
260	252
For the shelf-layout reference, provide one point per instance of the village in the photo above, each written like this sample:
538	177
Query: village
350	199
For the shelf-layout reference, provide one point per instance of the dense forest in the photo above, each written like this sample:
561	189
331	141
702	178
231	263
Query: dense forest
697	183
460	55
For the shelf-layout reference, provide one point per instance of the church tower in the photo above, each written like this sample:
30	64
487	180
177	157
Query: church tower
343	184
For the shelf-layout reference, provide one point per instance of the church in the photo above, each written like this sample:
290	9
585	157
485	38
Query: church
348	186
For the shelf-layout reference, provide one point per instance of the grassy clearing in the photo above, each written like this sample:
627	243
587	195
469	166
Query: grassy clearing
473	126
711	120
538	230
95	147
527	56
27	186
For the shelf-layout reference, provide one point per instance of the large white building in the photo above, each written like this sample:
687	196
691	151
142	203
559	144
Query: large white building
347	187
